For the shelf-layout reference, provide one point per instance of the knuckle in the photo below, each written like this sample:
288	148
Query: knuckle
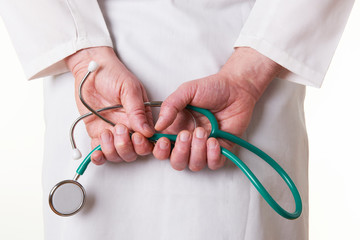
97	163
166	104
178	164
213	165
107	151
142	152
169	108
216	164
129	157
112	157
120	145
178	167
213	168
196	168
181	147
137	111
196	165
160	154
115	160
125	151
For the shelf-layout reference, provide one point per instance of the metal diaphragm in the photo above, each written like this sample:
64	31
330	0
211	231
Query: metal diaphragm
67	198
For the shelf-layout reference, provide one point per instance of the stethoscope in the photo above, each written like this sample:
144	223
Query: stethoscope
68	197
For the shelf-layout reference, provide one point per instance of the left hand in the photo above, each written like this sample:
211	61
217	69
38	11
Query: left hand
230	95
112	84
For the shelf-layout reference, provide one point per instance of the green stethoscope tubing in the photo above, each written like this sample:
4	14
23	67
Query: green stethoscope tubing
217	133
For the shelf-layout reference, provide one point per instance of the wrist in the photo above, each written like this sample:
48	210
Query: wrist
80	60
251	70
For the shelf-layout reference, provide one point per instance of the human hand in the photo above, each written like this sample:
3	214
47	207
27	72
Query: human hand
230	95
112	84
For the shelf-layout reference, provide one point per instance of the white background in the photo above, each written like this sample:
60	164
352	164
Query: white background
333	118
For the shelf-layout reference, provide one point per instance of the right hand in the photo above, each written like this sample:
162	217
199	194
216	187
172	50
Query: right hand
111	84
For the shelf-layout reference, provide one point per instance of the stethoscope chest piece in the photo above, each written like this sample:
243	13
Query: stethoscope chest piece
67	198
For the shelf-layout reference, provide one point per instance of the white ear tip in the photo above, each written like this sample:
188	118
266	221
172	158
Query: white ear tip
92	66
76	154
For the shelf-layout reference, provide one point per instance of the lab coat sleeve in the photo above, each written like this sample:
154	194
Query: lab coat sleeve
45	32
300	35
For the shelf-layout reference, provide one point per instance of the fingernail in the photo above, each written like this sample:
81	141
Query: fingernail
163	144
212	144
105	137
120	129
184	136
137	139
200	133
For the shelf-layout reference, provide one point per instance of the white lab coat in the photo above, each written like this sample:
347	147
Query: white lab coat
165	43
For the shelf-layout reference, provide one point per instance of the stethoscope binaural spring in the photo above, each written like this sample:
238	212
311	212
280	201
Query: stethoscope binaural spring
77	192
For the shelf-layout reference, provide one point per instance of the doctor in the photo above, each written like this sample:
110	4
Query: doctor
183	52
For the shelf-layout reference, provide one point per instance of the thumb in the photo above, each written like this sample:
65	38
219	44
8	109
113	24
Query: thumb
135	110
175	103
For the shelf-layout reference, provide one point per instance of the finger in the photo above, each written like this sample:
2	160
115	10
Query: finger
142	146
162	148
98	158
214	159
180	154
95	142
107	146
123	144
198	150
135	109
148	111
173	104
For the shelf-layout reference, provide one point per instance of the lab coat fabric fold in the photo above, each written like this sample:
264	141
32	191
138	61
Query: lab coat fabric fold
300	35
45	32
165	43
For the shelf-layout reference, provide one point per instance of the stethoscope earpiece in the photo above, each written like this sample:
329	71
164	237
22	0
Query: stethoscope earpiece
76	154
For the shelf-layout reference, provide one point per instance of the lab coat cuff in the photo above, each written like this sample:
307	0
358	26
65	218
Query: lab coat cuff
52	62
295	70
